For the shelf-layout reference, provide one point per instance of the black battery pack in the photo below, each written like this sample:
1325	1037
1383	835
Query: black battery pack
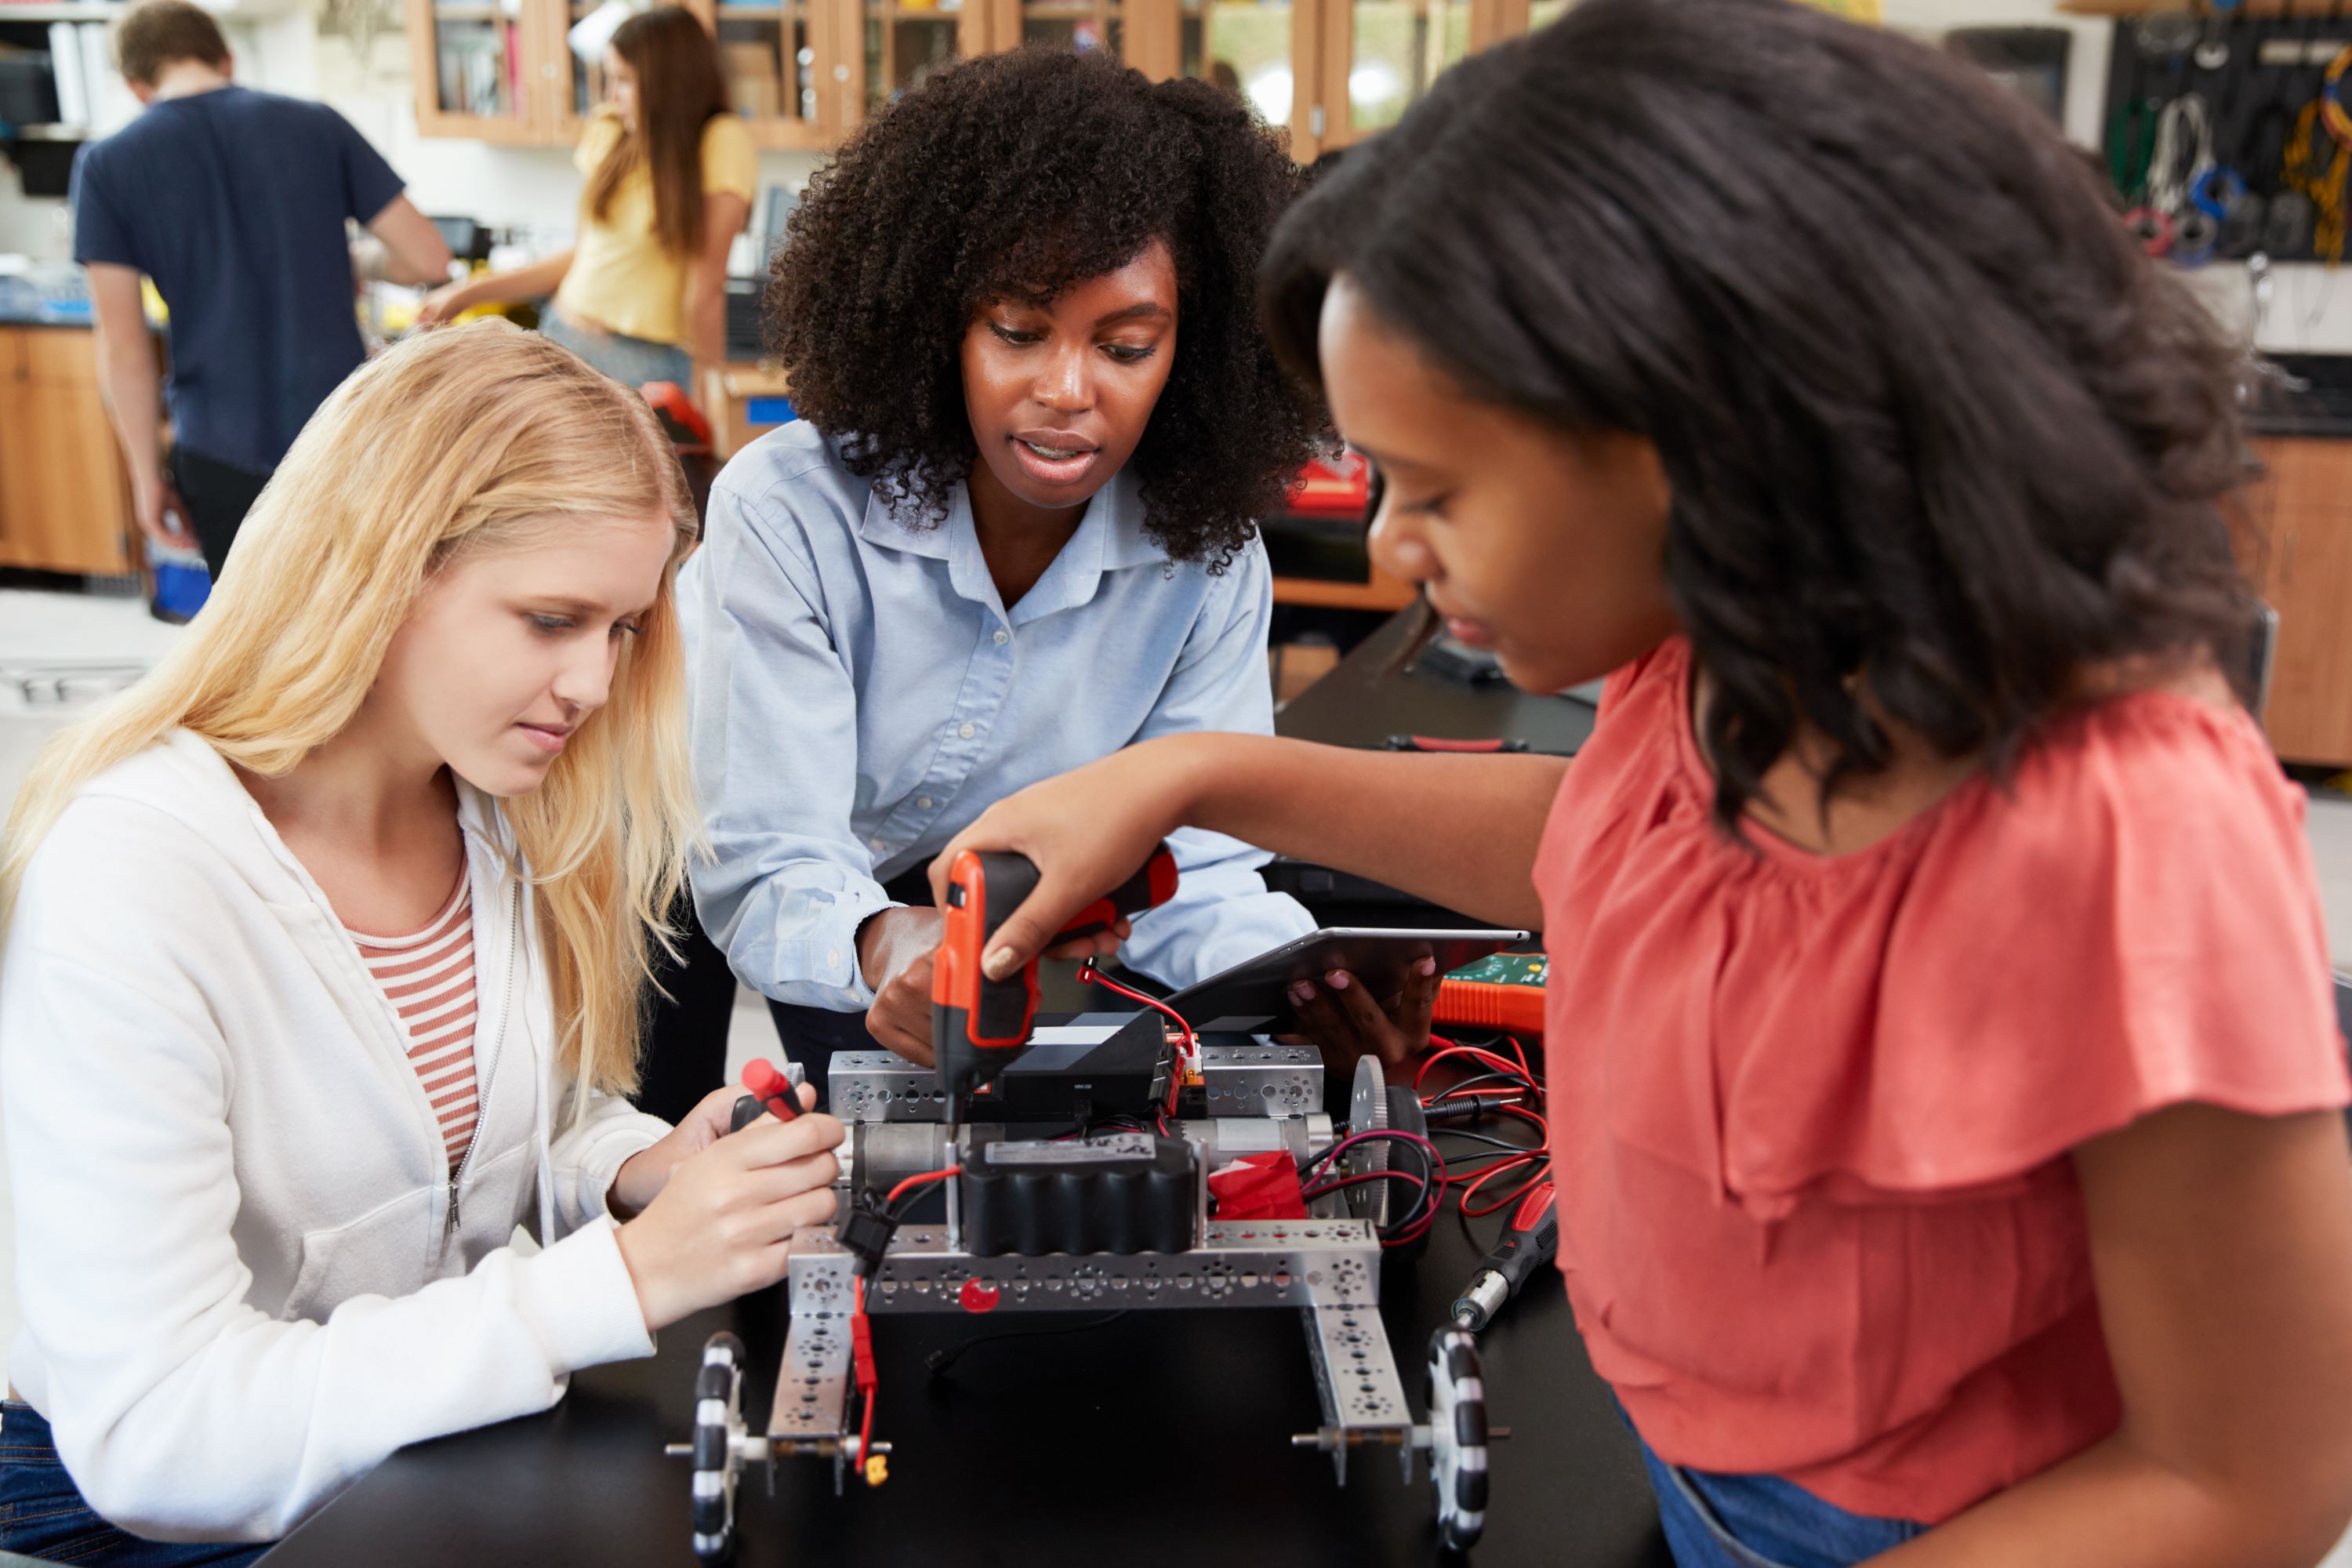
1117	1193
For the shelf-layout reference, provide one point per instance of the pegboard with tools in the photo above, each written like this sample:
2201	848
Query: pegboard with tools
2227	134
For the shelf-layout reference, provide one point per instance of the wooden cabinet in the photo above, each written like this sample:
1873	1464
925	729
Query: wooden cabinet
2299	552
806	72
65	503
488	70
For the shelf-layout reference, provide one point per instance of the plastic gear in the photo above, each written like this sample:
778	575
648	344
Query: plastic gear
1368	1111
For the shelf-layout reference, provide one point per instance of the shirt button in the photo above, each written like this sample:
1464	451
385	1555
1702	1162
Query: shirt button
923	803
833	959
964	733
1002	636
876	842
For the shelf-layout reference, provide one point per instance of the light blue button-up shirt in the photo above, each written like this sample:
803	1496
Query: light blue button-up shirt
859	694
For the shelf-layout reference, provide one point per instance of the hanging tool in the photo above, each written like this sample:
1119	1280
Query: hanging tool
980	1026
2214	52
1529	1242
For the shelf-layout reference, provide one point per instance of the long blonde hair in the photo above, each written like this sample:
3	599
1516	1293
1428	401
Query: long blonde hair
457	441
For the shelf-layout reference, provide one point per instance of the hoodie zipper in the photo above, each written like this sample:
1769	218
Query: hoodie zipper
506	1002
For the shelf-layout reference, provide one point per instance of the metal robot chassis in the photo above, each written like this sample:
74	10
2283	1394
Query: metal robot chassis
1325	1267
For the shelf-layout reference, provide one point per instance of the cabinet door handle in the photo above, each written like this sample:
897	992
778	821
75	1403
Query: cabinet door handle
2286	557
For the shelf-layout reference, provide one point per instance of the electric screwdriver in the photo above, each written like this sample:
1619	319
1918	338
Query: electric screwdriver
980	1026
1529	1242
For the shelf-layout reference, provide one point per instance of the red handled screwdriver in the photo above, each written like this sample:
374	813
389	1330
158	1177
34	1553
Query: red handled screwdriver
1529	1242
772	1092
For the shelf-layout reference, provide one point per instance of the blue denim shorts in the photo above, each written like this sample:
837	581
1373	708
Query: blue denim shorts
632	362
1761	1522
43	1515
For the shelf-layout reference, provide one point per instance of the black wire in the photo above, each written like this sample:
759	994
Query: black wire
1483	1156
1396	1133
941	1360
1521	1080
1431	1189
1431	1166
1484	1137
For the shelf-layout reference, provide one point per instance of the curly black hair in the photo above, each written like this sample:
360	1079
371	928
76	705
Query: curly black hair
1013	176
1941	440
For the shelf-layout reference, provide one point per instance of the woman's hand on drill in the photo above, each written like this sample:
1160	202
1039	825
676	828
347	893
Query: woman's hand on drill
722	1224
897	948
1086	831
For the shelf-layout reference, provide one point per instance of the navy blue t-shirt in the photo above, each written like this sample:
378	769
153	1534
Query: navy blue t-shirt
234	203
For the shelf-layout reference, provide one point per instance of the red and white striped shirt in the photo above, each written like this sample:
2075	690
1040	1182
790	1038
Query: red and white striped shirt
429	977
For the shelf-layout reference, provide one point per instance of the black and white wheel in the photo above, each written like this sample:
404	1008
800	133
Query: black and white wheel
1457	1438
719	1436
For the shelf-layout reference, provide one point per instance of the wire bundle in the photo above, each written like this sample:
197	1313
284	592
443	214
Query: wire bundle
2184	151
1316	1180
1513	1168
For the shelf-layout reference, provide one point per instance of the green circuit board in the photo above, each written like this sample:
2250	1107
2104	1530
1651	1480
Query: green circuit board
1507	969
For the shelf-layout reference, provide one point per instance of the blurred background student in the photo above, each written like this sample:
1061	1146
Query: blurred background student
642	295
234	202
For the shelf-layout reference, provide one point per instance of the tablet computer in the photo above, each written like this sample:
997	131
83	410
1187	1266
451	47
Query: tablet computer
1254	995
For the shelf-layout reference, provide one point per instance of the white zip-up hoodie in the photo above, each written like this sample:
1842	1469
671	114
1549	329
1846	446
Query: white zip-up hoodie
246	1275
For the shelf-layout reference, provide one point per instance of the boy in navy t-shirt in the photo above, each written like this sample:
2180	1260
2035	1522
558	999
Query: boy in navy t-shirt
234	203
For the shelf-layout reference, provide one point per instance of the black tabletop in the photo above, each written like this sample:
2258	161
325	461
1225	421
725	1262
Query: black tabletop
1363	701
1162	1437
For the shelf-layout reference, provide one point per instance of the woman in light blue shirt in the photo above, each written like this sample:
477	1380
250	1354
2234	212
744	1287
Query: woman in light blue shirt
1013	533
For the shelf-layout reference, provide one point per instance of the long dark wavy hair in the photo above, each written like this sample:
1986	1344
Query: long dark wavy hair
1013	176
1941	439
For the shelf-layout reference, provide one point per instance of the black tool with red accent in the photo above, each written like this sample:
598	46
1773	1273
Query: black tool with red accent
1529	1242
980	1026
772	1093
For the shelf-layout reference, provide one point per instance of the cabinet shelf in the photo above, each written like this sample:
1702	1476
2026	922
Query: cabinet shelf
504	72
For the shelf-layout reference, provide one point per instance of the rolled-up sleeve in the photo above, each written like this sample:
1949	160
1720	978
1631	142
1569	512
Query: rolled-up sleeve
775	732
1223	913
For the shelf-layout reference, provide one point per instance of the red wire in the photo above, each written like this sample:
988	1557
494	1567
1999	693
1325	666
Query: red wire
1537	1161
940	1175
1335	1183
1500	1064
1089	974
1526	1115
1511	1040
1436	1158
872	1380
1443	1094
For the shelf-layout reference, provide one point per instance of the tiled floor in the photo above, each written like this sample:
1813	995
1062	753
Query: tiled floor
92	643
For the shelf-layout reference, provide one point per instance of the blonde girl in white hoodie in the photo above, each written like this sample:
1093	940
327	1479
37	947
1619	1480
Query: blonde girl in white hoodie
324	947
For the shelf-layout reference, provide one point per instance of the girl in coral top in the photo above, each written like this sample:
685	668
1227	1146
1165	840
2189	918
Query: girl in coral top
1939	1019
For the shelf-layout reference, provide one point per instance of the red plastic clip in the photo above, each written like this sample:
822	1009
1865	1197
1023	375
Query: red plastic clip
861	1352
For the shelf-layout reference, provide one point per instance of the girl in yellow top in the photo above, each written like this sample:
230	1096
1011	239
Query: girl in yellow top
641	294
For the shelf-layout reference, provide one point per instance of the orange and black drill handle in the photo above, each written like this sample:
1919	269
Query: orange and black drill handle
979	1025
